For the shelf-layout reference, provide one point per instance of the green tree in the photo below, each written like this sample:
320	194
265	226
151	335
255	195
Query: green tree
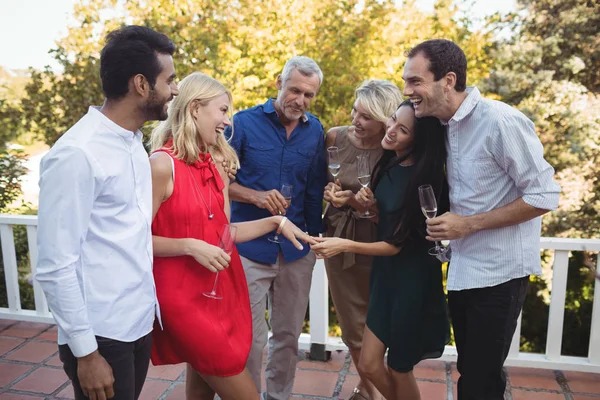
11	161
567	34
547	70
11	170
245	44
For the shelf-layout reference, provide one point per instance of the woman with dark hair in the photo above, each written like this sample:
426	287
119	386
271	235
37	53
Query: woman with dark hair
407	313
348	274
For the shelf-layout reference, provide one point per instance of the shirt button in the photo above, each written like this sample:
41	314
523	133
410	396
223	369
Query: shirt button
286	169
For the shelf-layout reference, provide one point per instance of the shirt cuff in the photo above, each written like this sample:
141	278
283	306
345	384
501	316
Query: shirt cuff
548	201
83	345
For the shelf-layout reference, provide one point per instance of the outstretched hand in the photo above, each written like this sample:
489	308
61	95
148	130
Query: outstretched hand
291	232
329	246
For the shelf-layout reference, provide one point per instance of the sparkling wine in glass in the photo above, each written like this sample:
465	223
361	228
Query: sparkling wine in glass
286	192
429	209
227	244
363	170
334	161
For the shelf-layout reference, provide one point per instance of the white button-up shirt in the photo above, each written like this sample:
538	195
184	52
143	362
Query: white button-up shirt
94	234
495	158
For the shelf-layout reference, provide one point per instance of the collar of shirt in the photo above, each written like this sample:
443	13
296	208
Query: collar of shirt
269	159
94	112
467	106
269	108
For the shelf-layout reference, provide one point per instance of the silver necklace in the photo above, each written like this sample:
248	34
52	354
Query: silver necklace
209	205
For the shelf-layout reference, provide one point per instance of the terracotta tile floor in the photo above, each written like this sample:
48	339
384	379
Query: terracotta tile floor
30	369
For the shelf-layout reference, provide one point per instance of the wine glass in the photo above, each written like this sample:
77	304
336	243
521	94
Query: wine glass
227	243
286	192
429	208
334	161
363	170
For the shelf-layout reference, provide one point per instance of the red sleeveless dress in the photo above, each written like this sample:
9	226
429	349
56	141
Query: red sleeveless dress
213	336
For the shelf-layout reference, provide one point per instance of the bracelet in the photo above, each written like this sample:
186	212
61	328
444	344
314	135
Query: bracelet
281	224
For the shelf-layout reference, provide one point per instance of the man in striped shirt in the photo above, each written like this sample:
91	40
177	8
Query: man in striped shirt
500	185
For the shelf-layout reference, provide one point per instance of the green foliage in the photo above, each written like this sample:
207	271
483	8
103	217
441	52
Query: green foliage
11	161
245	44
566	32
11	170
549	71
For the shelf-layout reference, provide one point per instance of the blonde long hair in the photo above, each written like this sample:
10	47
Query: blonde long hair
179	125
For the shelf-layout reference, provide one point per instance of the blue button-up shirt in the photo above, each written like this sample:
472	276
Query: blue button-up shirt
269	159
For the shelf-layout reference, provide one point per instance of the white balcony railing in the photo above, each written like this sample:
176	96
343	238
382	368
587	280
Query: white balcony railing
319	302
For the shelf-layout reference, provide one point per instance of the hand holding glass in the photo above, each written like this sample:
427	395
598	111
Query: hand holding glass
286	192
363	170
429	208
227	244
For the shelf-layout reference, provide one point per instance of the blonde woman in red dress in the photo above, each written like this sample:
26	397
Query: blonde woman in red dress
213	336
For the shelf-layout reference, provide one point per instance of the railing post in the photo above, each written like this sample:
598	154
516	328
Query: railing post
319	313
11	274
557	304
594	350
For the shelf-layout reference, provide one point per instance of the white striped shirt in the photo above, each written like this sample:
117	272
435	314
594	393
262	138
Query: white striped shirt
495	158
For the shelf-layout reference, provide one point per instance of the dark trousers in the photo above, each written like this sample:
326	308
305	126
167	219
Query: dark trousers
128	360
484	321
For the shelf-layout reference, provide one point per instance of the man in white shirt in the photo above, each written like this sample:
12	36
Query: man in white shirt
94	220
500	185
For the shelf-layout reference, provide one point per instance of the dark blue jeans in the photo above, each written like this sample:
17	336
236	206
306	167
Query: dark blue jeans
128	360
484	321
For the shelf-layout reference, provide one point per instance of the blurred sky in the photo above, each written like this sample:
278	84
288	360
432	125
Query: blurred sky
31	27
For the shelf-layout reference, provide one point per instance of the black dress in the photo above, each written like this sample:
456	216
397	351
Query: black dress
407	306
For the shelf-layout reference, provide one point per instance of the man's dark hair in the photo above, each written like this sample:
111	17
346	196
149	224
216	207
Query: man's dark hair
429	152
129	51
444	56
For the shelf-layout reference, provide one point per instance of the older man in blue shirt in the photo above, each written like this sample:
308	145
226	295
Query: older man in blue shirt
278	143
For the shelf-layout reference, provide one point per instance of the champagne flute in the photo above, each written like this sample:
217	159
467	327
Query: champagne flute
334	161
429	209
227	243
286	192
363	170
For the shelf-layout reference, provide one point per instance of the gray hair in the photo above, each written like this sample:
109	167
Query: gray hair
305	65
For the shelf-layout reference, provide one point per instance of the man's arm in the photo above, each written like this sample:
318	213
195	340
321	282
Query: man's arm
453	226
272	200
317	179
518	150
67	193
